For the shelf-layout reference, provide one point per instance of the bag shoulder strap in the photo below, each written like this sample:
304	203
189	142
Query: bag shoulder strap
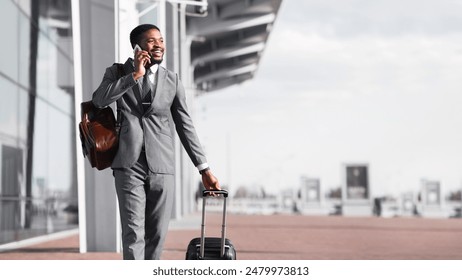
120	70
120	74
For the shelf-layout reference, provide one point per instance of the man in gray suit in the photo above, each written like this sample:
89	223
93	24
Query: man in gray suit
151	100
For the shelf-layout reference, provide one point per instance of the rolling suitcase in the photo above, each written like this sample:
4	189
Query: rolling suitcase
211	248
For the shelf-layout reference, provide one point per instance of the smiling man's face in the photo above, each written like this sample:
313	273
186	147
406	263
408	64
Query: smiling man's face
153	42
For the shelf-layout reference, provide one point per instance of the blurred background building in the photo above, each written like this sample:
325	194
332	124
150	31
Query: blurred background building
53	57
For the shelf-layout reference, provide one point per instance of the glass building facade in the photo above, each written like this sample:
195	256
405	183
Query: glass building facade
38	189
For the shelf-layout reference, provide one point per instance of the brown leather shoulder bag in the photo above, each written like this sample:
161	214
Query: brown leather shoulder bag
99	132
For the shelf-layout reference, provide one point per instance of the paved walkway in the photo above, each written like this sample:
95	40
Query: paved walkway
290	237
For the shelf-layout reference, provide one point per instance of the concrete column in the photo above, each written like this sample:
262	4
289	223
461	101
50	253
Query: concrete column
98	51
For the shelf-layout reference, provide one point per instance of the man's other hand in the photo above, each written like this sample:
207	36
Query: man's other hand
210	182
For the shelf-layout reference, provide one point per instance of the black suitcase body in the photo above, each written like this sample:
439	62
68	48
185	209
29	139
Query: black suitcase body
214	248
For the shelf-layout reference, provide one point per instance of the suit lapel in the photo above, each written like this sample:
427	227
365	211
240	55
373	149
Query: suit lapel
161	76
128	67
137	91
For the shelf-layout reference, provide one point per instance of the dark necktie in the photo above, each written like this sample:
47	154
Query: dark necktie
146	83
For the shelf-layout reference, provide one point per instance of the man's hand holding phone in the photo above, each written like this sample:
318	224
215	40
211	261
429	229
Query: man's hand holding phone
141	58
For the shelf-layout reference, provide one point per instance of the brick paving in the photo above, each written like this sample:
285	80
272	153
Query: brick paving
292	237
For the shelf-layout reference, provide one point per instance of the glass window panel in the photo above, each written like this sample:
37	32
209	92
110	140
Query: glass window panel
56	92
23	48
9	47
53	143
22	113
9	108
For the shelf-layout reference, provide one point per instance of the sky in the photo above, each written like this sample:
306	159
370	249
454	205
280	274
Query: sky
374	82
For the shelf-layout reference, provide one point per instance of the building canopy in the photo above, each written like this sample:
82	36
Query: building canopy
228	41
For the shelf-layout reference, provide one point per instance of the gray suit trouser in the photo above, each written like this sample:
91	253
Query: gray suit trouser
145	203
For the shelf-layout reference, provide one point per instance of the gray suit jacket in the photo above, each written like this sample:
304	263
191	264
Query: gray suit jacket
155	127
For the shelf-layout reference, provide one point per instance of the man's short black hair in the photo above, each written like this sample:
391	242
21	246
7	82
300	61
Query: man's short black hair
136	33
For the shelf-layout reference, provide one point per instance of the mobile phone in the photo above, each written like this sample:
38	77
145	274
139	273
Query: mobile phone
137	48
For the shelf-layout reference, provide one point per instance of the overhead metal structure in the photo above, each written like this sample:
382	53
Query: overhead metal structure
228	40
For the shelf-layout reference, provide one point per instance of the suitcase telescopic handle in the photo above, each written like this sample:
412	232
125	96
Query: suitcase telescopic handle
205	193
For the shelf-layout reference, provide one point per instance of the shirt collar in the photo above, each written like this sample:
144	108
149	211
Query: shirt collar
154	68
